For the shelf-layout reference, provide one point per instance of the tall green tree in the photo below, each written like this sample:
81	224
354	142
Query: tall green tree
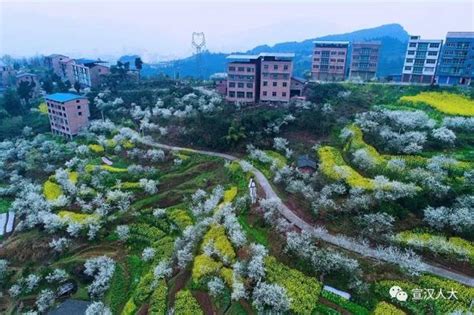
77	86
48	86
25	90
139	66
11	103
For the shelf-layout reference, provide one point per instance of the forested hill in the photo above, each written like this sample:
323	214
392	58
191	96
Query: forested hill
393	36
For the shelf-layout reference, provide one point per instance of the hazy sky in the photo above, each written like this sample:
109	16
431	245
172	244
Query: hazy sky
160	30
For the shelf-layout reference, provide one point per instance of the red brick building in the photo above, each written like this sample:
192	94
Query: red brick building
67	113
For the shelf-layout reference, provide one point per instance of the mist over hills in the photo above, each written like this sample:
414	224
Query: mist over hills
394	40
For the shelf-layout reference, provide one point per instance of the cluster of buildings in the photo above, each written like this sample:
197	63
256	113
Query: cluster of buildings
86	72
10	77
267	77
431	61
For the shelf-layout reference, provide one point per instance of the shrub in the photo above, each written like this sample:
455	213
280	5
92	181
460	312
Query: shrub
303	291
217	238
334	167
344	303
51	191
230	194
144	289
181	218
158	299
97	148
454	246
185	303
129	308
204	265
76	217
384	308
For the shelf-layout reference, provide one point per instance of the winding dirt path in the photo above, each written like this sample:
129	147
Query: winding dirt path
318	232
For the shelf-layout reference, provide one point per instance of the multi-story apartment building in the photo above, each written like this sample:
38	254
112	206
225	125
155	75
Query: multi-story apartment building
259	78
364	60
456	64
275	77
421	60
85	71
329	60
7	75
53	62
242	74
220	82
67	113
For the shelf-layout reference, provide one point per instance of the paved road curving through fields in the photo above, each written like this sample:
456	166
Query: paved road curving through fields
303	225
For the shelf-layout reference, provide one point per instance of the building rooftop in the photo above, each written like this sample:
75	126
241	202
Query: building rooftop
299	79
263	54
56	55
277	55
305	161
25	74
373	42
330	42
242	57
63	97
84	61
461	34
219	75
70	307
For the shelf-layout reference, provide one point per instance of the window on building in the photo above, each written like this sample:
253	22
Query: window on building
231	68
412	44
434	45
264	93
275	67
240	95
250	85
432	53
231	94
409	60
317	52
79	113
340	60
78	106
407	68
265	67
333	53
274	83
241	69
411	52
249	95
431	61
283	94
240	85
341	53
249	69
285	84
64	108
265	83
231	84
274	93
285	67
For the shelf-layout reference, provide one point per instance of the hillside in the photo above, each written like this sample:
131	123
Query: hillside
393	37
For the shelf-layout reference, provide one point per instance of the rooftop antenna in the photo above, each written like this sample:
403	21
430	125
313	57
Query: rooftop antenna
199	43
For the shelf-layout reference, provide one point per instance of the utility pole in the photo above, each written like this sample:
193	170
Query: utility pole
199	43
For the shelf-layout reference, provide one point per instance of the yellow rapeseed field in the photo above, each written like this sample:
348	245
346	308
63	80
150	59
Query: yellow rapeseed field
448	103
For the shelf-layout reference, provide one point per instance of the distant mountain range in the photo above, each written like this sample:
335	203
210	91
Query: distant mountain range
394	40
